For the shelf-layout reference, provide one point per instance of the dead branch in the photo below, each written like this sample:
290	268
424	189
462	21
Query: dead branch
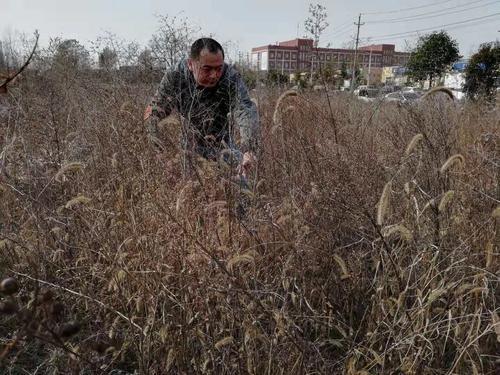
3	86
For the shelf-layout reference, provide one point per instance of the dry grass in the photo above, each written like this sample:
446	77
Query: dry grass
329	273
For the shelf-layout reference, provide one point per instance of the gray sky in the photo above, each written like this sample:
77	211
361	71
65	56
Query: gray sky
257	22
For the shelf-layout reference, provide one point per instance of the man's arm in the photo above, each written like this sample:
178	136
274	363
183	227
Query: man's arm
245	116
161	106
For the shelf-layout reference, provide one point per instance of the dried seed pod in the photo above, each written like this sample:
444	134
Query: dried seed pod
46	296
57	309
69	329
8	307
101	344
9	286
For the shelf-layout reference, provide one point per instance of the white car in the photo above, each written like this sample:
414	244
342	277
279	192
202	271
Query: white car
402	96
366	94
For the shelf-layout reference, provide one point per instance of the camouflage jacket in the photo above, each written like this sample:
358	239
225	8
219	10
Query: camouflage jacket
207	111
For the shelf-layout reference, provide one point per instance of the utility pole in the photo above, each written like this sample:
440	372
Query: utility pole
353	76
369	68
312	62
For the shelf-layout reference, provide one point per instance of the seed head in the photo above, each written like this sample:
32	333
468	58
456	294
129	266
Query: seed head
8	307
9	286
69	329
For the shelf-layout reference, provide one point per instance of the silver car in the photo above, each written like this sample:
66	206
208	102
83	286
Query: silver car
403	96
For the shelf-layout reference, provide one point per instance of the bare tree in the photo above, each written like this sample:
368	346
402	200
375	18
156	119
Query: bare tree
3	64
172	40
316	23
11	50
70	53
145	60
9	78
125	53
108	59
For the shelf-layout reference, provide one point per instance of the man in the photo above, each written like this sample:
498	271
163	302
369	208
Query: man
205	90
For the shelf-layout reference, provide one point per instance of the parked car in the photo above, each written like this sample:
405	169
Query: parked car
366	93
412	89
387	89
403	97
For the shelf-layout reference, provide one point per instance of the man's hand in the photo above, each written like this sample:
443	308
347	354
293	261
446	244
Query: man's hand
247	163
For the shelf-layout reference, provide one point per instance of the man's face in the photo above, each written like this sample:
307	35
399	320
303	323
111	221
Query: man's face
207	69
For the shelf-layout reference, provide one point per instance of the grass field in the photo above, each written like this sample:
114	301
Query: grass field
370	244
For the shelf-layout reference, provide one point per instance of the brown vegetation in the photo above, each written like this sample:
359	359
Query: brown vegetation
370	245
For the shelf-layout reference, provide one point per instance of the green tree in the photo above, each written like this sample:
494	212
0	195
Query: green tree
483	72
328	72
343	71
276	78
433	55
249	75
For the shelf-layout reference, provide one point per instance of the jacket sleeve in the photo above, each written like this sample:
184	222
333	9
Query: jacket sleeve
245	116
160	106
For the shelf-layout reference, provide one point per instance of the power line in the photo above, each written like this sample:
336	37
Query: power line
438	27
340	35
412	8
433	14
339	30
347	23
344	33
416	33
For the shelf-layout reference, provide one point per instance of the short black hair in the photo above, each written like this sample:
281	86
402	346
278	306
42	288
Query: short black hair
210	44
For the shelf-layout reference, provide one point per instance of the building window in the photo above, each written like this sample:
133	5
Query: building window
279	55
271	55
294	56
341	57
287	65
294	65
328	57
271	64
287	55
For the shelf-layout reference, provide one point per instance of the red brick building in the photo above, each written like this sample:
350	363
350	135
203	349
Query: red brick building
298	55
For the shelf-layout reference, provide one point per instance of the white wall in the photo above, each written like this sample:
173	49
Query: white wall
260	60
264	60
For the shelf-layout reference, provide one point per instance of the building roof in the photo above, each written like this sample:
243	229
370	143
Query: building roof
293	44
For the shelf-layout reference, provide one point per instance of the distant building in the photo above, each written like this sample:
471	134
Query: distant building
454	80
460	65
299	55
394	75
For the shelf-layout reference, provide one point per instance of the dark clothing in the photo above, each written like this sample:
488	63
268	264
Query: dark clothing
206	110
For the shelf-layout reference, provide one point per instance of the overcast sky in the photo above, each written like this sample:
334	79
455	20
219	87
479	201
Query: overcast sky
257	22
